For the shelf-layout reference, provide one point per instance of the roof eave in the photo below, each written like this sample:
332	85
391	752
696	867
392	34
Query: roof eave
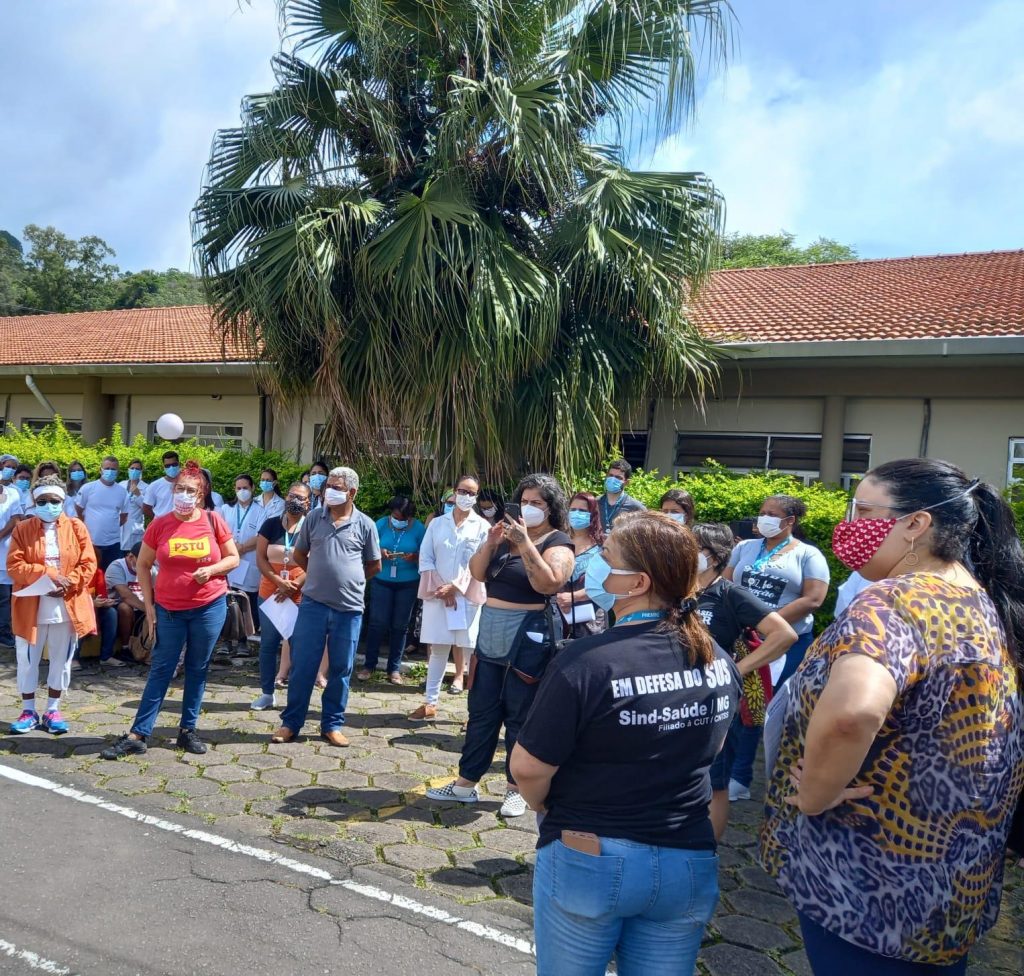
132	369
892	352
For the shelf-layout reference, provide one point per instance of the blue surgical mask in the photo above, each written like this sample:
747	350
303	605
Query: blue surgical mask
449	507
579	519
266	487
77	476
134	474
676	516
109	475
400	523
22	484
613	485
317	481
8	473
598	571
50	511
172	470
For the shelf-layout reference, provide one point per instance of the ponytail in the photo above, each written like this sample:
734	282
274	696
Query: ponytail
693	635
997	560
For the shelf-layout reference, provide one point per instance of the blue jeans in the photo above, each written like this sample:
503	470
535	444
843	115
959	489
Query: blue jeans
830	955
795	655
647	905
391	606
106	622
270	648
198	630
316	625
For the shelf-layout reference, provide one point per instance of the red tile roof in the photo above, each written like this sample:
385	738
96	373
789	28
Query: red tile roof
181	334
942	297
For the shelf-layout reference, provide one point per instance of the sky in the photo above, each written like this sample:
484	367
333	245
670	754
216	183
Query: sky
894	126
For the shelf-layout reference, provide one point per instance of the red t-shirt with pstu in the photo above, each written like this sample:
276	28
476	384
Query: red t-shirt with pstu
181	548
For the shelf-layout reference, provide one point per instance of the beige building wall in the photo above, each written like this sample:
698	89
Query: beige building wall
975	435
24	406
229	409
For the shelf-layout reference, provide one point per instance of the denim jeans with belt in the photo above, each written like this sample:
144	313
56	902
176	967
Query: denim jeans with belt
316	624
196	629
647	905
391	606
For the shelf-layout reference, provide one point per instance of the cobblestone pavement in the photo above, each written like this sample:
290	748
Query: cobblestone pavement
365	805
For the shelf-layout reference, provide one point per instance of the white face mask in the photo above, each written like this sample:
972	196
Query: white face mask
533	515
335	496
769	526
488	512
243	495
465	502
702	563
184	504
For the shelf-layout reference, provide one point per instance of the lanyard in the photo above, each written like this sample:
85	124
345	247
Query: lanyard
766	557
397	533
288	538
608	512
641	615
240	516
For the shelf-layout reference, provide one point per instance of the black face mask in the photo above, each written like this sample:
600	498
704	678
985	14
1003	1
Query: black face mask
294	507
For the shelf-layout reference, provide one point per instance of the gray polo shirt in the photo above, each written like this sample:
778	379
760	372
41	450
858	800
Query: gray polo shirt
335	575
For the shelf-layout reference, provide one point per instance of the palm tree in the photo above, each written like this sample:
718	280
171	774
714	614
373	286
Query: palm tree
428	223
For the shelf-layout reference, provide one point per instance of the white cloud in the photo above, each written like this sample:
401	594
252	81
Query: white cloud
918	155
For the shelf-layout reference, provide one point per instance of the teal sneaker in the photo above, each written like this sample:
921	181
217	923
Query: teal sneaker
53	722
27	721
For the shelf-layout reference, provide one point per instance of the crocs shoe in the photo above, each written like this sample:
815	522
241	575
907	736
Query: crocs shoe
27	721
53	722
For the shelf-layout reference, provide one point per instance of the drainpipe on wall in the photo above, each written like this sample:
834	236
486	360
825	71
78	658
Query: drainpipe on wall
40	396
926	427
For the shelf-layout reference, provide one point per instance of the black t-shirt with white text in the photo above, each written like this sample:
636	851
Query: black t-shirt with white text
728	609
633	729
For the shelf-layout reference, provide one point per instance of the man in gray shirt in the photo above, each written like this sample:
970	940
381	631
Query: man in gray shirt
338	548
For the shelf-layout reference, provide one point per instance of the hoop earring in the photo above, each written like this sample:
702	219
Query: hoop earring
912	558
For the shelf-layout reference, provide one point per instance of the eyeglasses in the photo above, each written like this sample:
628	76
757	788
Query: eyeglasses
465	493
853	510
191	492
296	498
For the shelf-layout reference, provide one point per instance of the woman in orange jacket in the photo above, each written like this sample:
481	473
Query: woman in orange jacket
49	544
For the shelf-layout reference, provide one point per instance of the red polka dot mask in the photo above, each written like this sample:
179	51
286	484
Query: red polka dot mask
854	543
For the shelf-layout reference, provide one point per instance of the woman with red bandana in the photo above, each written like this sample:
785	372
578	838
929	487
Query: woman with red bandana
901	739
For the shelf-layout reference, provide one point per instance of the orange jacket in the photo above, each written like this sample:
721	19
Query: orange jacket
26	562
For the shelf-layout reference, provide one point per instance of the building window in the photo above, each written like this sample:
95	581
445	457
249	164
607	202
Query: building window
633	444
1015	464
212	435
797	454
37	424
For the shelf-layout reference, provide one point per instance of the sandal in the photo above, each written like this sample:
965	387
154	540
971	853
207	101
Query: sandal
364	675
396	678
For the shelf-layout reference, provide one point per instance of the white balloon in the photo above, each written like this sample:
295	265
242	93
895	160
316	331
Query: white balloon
170	426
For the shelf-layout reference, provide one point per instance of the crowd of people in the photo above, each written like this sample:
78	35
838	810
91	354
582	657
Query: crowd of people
634	661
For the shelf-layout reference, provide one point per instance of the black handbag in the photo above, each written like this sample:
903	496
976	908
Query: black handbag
1016	839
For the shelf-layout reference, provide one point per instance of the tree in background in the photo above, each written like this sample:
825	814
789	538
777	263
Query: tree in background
770	250
428	222
61	274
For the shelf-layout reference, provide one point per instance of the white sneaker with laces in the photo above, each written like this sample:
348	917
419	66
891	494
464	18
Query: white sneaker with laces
514	804
263	703
460	794
737	791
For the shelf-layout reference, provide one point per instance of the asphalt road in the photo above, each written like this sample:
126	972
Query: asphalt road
91	892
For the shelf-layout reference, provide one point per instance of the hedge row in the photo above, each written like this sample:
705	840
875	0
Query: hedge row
719	496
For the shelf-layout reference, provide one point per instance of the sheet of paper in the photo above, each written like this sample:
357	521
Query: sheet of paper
584	613
282	615
41	587
776	668
457	615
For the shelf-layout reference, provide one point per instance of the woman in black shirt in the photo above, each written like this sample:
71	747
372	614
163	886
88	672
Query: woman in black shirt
615	753
523	562
729	610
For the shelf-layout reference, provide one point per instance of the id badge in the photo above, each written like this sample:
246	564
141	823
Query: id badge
285	574
394	571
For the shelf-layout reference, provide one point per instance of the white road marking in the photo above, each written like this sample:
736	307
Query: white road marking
486	932
31	959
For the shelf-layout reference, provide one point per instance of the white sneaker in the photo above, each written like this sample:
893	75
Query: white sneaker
514	805
113	662
737	791
264	702
460	794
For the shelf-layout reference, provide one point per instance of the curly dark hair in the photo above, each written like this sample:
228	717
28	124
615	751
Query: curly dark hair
552	493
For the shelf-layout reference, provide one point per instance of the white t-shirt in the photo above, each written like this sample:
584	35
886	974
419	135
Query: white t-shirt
10	505
102	506
51	608
133	530
848	592
160	497
118	574
245	525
